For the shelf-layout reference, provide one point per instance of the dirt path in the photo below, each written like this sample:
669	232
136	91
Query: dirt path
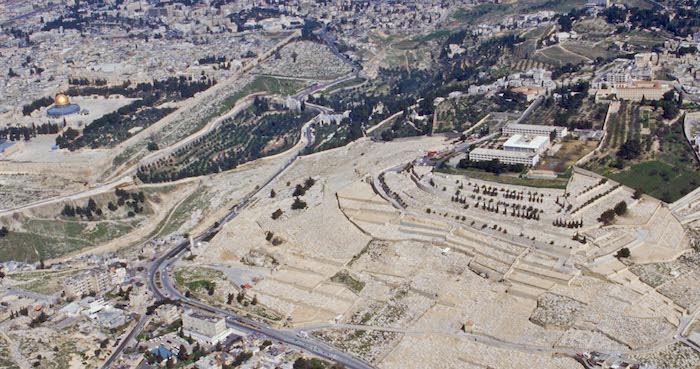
563	47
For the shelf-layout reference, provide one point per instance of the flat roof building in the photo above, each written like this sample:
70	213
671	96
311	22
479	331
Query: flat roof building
205	329
505	156
636	90
93	280
531	92
533	144
534	130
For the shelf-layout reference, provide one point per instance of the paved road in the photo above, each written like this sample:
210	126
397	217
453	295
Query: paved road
161	284
290	337
323	34
143	320
27	15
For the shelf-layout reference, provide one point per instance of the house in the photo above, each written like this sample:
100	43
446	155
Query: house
162	352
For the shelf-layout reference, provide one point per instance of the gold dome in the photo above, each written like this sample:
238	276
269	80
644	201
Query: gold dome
61	100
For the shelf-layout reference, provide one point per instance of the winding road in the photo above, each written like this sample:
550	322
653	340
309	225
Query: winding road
162	286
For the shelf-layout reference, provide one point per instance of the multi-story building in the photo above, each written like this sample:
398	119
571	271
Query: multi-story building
646	60
94	280
534	130
622	75
505	156
531	144
118	275
205	329
636	90
167	314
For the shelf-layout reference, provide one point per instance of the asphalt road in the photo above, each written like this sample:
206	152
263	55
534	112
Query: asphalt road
160	283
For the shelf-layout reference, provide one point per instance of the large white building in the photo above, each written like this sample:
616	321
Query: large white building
205	329
505	156
531	144
636	90
534	130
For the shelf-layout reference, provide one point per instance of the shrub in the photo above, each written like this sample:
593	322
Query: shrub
298	204
621	208
623	253
638	192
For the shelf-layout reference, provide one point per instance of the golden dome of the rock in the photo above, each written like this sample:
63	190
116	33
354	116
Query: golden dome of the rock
61	100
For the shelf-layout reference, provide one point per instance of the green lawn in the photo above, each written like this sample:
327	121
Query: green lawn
46	238
432	36
659	179
197	278
273	85
668	173
30	247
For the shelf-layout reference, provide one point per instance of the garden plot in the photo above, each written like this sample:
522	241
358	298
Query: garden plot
567	155
42	282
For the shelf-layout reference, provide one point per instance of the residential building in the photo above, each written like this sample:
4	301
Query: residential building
205	329
94	280
110	318
118	275
646	60
208	362
623	75
162	353
167	314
